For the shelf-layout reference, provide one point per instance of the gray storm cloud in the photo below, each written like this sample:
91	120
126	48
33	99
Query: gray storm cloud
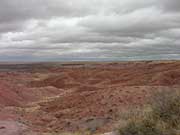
89	30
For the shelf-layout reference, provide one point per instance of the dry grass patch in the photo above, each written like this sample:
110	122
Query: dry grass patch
160	117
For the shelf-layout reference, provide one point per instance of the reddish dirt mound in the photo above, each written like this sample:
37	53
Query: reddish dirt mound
20	96
14	90
9	95
124	74
60	81
168	78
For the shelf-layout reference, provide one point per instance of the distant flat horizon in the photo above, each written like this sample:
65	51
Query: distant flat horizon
144	58
85	61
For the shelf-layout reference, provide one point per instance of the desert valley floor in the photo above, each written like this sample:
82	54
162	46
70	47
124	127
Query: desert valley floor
67	97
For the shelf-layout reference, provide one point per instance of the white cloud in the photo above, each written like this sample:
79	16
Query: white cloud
83	29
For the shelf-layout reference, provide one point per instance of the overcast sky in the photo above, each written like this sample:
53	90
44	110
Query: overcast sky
47	30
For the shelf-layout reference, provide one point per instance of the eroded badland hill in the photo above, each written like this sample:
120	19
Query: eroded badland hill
56	97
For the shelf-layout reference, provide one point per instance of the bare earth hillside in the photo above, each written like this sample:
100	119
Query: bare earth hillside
66	97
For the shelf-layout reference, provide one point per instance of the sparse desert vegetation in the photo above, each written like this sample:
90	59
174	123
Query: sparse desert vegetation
163	117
